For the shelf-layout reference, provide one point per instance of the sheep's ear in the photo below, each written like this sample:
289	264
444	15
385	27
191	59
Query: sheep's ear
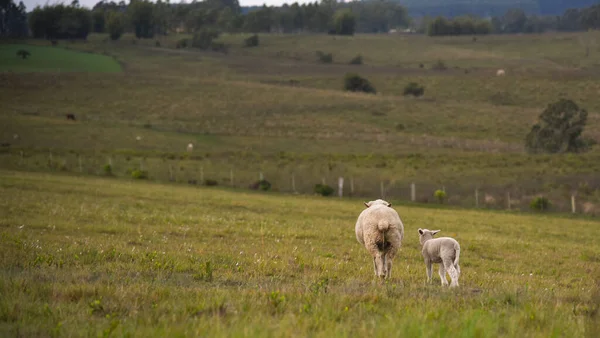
435	232
420	231
366	204
389	204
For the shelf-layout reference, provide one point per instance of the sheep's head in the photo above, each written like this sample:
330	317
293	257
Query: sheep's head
378	201
426	234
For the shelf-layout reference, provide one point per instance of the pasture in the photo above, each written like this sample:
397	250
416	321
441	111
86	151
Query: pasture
97	256
54	59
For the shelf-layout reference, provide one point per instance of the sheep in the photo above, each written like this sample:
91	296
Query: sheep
380	230
70	117
190	147
443	250
500	72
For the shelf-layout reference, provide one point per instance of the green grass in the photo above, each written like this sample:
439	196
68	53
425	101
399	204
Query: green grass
54	59
89	256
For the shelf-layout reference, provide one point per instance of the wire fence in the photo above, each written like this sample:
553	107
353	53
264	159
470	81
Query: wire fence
304	178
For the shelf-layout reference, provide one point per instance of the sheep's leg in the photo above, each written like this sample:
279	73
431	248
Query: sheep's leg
378	259
429	272
453	273
374	266
457	268
442	272
388	266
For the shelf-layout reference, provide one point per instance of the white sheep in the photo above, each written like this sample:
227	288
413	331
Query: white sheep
380	230
443	250
500	72
190	147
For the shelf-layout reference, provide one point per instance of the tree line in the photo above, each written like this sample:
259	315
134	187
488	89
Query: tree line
13	19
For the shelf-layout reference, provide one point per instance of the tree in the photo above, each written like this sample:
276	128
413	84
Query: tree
344	22
558	130
23	54
142	18
13	19
115	25
60	22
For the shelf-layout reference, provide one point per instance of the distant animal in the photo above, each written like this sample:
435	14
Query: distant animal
71	117
443	250
500	72
190	147
380	230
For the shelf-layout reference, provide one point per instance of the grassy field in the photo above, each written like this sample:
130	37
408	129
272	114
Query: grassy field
92	256
276	109
52	59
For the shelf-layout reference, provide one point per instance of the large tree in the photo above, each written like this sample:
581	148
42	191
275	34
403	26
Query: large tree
13	19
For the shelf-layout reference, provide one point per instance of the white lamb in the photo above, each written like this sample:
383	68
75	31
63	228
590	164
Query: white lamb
500	72
443	250
381	231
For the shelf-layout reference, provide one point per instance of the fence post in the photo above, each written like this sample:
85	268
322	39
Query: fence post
413	192
508	199
231	176
476	198
80	165
202	174
573	203
21	161
110	162
261	176
141	164
293	183
352	186
170	172
323	180
381	188
340	186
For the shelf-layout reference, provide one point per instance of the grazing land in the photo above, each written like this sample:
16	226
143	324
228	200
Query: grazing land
276	109
50	59
101	256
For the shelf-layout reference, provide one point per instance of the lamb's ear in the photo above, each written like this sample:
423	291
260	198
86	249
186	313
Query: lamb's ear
367	204
435	232
420	231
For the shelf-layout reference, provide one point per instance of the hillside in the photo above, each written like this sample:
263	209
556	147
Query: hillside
275	110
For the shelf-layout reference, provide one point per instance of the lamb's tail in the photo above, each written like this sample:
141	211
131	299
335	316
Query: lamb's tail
457	249
383	225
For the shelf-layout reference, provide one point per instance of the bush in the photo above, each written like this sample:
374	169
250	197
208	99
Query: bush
182	43
324	57
209	182
23	54
440	195
357	60
439	65
115	25
157	43
219	47
355	83
414	89
263	185
323	190
139	174
204	38
539	204
251	41
107	170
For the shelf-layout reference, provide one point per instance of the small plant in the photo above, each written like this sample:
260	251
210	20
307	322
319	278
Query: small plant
439	65
263	185
157	43
400	127
323	189
252	41
139	174
209	182
540	203
219	47
276	300
107	170
204	38
324	57
23	54
414	89
182	43
440	195
357	60
355	83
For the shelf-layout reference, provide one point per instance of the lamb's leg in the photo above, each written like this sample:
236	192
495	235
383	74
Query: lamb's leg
429	272
442	273
452	272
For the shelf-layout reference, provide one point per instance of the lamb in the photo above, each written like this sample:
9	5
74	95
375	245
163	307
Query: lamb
500	72
190	147
443	250
380	230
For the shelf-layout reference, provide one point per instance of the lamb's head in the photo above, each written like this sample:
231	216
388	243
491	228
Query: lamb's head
426	234
378	201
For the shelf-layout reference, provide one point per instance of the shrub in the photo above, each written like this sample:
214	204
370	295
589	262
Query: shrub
263	185
157	43
251	41
139	174
219	47
439	65
357	60
539	204
107	170
355	83
182	43
323	189
209	182
414	89
324	57
115	25
23	54
204	38
440	195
